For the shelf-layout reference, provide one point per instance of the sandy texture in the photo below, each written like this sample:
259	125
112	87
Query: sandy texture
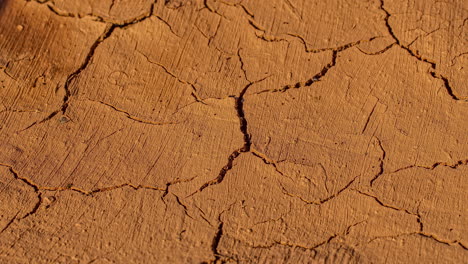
212	131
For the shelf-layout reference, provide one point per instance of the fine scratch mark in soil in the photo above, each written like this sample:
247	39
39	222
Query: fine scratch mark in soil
369	117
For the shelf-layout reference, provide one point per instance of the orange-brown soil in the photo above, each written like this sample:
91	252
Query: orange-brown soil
230	131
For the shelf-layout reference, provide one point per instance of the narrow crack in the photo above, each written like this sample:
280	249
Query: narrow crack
426	35
462	245
256	26
62	13
166	191
184	207
7	65
37	188
424	235
239	107
453	165
420	232
375	198
217	238
338	48
30	213
96	18
271	38
321	201
211	9
30	184
103	189
264	35
68	93
268	161
111	6
418	216
291	245
381	163
35	208
447	86
221	174
279	218
274	164
211	38
316	78
314	247
242	66
215	243
105	35
239	4
380	51
194	93
433	65
12	220
392	34
24	180
438	240
436	165
172	183
167	24
132	117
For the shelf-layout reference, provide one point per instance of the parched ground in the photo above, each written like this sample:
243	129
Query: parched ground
269	131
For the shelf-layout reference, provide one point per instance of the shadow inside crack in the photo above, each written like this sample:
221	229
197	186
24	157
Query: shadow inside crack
3	4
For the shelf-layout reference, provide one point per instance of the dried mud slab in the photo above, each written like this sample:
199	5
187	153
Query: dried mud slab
233	131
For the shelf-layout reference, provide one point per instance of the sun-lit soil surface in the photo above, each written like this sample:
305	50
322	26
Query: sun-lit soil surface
279	131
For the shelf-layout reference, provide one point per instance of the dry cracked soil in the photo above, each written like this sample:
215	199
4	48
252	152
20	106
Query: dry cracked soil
230	131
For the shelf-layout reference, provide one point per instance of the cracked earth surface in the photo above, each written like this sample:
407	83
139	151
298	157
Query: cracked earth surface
208	131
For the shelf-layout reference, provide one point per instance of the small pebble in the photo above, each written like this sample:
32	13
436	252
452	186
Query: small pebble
63	120
19	27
